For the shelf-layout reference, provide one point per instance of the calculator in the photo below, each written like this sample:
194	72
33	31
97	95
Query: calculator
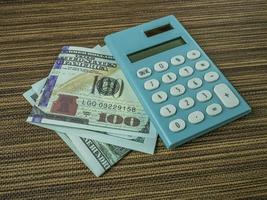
181	89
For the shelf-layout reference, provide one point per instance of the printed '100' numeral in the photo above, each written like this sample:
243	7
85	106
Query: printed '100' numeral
117	119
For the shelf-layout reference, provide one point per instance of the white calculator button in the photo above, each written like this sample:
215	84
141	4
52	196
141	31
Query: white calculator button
204	95
168	110
159	97
177	90
177	125
194	83
211	76
193	54
177	60
202	65
195	117
151	84
186	71
161	66
214	109
226	95
143	72
169	77
186	103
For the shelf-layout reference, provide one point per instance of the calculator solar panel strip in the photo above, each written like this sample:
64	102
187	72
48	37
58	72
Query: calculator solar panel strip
181	89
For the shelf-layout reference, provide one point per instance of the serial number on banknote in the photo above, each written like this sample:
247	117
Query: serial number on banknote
108	106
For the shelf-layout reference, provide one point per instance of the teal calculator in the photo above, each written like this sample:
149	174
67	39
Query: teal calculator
180	88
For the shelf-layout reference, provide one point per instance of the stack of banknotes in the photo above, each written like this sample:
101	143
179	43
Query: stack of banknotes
90	105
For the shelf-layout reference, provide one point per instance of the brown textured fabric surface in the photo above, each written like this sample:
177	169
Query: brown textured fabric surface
228	163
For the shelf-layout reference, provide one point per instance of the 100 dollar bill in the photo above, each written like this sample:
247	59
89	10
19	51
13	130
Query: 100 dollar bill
143	144
90	91
97	156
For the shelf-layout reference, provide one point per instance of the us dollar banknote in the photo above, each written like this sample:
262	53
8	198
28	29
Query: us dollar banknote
143	144
97	156
90	91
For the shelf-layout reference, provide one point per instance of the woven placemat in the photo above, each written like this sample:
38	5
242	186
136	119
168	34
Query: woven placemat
228	163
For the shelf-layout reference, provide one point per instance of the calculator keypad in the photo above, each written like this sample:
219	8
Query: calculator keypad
224	93
169	77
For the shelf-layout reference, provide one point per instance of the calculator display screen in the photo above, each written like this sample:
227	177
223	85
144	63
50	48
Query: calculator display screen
150	51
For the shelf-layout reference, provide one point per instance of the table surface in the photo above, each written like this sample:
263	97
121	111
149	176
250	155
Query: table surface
228	163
